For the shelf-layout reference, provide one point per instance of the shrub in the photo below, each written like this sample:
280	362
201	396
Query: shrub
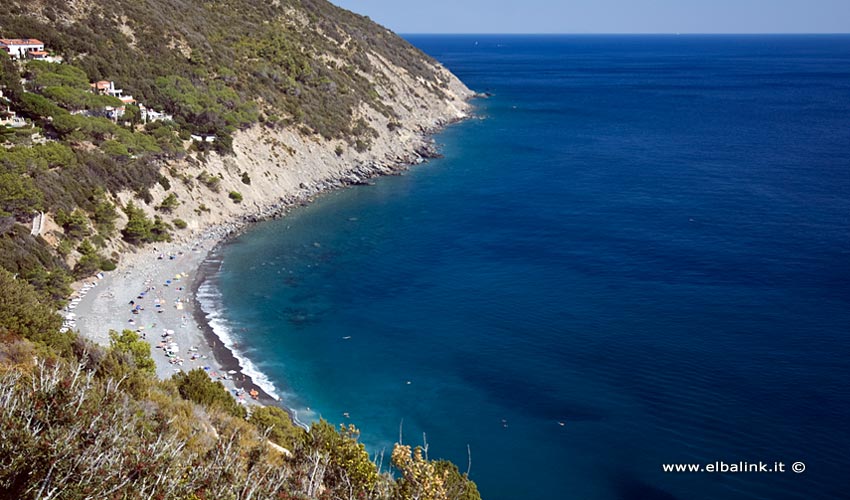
160	230
279	426
23	313
86	266
19	195
180	223
79	99
75	224
196	386
361	145
34	262
137	351
107	264
104	215
169	203
349	461
236	196
115	149
138	228
210	181
246	179
44	74
457	485
144	194
86	248
64	247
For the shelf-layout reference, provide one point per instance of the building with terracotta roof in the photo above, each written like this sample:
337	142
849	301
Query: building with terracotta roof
20	47
106	88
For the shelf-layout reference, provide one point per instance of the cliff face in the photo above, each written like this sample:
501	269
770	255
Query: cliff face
284	166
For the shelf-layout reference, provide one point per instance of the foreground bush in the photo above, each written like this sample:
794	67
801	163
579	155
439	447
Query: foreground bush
67	432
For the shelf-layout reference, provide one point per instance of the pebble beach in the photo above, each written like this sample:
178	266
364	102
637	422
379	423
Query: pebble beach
153	293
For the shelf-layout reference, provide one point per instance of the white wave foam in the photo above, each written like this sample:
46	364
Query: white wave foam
210	301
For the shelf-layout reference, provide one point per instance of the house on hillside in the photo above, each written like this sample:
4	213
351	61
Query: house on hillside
104	87
9	118
21	47
150	115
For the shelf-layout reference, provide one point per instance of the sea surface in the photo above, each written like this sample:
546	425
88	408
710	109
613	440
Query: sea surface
637	253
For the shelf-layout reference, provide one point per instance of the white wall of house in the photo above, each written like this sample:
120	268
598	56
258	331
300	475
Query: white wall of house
18	50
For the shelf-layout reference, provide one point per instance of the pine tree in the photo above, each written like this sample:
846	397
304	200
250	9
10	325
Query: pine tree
138	228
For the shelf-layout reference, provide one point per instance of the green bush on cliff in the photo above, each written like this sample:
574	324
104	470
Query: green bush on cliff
138	228
348	460
210	181
198	387
141	229
278	425
23	313
27	257
75	224
19	195
169	203
136	350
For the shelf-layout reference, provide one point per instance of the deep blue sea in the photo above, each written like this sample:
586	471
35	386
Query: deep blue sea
637	253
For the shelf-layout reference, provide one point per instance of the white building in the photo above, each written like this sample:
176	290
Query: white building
150	115
9	118
115	113
203	137
21	47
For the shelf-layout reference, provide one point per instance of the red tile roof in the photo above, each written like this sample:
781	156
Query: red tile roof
20	41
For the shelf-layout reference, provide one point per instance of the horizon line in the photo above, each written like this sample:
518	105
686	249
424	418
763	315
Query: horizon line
671	33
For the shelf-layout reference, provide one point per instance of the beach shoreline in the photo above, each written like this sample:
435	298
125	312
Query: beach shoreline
225	356
173	273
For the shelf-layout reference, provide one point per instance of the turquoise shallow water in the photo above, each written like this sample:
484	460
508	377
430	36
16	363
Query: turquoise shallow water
643	238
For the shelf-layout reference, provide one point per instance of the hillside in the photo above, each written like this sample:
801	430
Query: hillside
128	123
267	101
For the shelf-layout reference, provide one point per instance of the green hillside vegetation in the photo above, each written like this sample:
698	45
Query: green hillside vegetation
215	66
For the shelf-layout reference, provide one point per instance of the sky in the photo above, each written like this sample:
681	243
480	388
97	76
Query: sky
607	16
